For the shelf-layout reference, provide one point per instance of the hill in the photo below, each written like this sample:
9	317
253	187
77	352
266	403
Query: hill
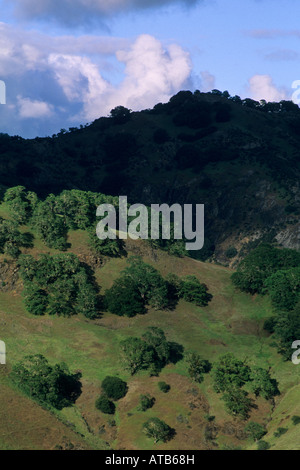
231	323
238	157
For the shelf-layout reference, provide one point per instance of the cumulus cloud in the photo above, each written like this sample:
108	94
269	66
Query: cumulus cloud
76	12
51	78
33	108
262	87
152	74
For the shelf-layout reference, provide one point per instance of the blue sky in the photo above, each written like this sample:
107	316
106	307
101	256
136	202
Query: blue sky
67	62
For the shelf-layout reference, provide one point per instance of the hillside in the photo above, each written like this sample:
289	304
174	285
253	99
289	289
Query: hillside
238	157
232	322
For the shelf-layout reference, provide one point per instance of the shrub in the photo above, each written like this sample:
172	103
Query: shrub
237	402
193	291
114	388
280	432
146	402
164	387
51	385
105	405
263	445
229	372
296	420
255	431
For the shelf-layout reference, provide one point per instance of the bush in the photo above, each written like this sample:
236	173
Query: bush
263	445
197	366
255	431
105	405
51	385
296	420
164	387
146	402
193	291
280	432
114	388
237	402
58	285
229	372
123	298
263	262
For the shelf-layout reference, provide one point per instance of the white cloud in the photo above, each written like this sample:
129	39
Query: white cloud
262	87
33	108
45	77
152	74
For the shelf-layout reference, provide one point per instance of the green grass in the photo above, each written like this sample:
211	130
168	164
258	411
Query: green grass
233	322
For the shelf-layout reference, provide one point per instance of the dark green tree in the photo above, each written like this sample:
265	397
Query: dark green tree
262	384
105	405
124	299
197	366
237	402
136	354
114	387
193	291
255	431
229	372
52	385
146	402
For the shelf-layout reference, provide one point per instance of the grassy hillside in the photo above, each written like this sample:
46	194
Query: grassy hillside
232	322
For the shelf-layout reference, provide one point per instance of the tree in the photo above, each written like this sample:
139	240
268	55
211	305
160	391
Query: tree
164	387
120	114
193	291
49	225
105	405
237	402
60	284
260	264
123	298
156	339
263	445
284	288
21	203
255	430
114	387
287	330
158	430
197	366
136	354
11	239
108	247
52	385
229	372
146	402
262	383
149	282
